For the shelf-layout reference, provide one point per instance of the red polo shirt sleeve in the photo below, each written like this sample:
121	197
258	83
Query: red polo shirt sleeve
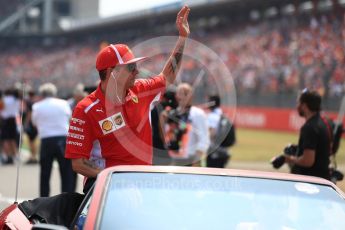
155	85
79	139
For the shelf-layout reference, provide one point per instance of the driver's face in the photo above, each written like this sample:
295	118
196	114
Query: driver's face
126	75
130	71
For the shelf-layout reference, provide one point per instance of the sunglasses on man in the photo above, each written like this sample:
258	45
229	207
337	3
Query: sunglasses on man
131	67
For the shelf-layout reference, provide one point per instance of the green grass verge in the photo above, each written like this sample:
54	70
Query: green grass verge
262	145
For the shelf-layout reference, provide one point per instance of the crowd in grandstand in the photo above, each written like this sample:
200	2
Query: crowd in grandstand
272	56
284	57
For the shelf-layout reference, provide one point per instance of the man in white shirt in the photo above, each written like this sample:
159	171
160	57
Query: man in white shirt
195	140
51	117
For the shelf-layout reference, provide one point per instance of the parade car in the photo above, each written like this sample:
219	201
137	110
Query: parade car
167	197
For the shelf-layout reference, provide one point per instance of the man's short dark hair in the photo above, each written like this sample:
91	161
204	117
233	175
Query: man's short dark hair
312	99
215	99
102	74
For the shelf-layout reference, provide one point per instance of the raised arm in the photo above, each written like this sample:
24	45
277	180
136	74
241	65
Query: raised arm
173	64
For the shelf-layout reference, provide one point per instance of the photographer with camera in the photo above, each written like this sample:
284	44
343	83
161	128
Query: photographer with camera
159	117
188	135
311	156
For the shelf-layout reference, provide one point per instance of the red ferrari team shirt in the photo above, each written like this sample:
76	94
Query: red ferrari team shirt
111	135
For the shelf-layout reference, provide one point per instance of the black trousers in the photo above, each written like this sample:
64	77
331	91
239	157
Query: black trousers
54	148
9	129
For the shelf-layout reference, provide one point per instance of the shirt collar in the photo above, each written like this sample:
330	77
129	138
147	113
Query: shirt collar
101	96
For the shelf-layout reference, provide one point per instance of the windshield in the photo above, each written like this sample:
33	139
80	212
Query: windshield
184	201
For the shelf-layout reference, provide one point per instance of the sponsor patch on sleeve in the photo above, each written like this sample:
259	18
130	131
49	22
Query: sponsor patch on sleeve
77	121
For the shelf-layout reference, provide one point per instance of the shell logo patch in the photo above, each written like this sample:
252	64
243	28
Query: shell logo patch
112	123
107	125
135	99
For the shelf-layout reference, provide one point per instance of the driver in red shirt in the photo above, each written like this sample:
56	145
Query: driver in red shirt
111	126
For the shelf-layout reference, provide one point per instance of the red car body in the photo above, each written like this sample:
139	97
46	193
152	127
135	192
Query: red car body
13	218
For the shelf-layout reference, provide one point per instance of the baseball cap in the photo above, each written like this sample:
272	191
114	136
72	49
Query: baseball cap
113	55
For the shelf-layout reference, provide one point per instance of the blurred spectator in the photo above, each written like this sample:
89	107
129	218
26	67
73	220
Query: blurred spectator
9	130
51	117
222	135
29	128
78	94
187	138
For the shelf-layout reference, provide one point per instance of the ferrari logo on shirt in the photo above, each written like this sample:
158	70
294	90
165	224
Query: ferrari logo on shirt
135	99
112	123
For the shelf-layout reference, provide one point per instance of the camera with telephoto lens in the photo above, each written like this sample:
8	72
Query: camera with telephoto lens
279	160
169	100
179	128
